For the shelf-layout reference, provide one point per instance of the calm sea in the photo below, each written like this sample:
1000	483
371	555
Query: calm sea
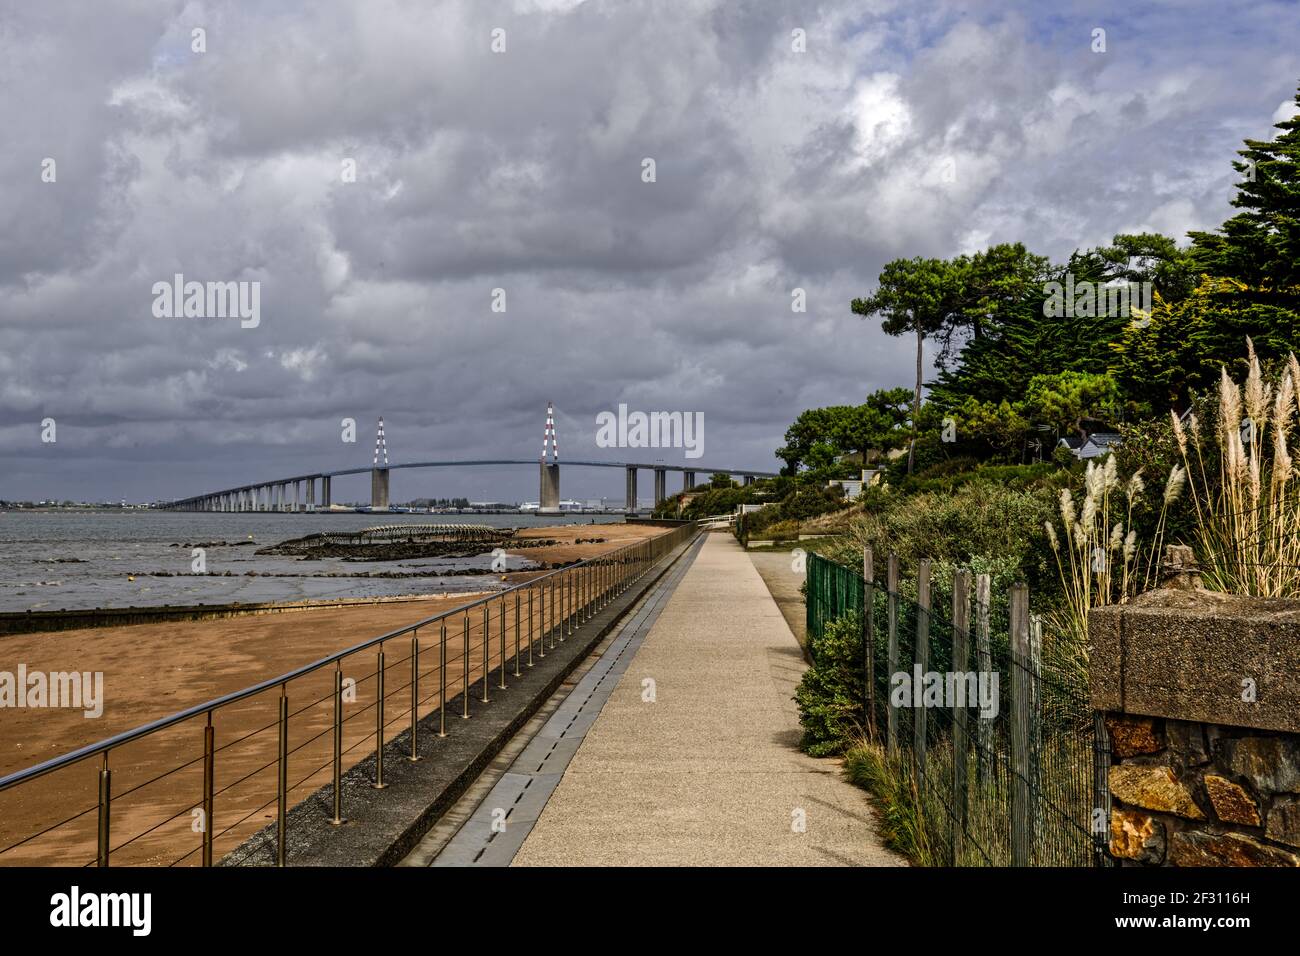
85	559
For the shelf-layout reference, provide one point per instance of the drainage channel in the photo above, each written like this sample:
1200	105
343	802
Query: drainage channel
498	826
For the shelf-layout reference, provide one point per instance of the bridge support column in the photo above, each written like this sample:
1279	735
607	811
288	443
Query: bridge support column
548	500
311	494
379	488
748	479
688	480
325	492
661	486
631	489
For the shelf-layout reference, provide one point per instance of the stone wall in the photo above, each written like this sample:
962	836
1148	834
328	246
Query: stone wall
1201	697
1186	793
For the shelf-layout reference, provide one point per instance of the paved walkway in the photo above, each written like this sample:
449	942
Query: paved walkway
777	571
709	773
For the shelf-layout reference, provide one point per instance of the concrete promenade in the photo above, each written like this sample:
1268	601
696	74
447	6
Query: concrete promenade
709	772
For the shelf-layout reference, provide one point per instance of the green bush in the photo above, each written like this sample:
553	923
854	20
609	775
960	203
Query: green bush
830	696
983	525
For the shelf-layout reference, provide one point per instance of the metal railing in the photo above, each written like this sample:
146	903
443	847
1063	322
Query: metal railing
179	761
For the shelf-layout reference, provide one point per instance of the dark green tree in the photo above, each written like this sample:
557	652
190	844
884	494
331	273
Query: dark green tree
1260	245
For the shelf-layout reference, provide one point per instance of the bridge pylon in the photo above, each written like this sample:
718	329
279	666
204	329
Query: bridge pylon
548	498
378	475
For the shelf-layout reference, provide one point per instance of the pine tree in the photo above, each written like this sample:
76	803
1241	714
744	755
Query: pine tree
1261	245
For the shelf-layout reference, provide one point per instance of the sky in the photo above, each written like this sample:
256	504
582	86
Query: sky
449	214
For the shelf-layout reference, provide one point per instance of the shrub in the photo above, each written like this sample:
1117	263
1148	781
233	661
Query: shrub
830	695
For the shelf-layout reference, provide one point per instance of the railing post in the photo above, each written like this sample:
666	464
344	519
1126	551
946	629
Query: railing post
518	635
922	658
566	606
442	680
1021	850
415	695
282	783
464	696
487	650
209	760
338	744
541	600
379	721
501	674
530	627
105	810
961	716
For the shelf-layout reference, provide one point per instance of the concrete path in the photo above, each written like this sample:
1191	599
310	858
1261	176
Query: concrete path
777	571
709	772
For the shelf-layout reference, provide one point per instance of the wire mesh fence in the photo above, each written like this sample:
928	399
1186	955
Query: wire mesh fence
1004	753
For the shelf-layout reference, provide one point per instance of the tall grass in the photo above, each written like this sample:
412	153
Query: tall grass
1099	556
1247	502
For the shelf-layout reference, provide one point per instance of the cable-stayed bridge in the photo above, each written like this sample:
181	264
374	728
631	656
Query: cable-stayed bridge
311	492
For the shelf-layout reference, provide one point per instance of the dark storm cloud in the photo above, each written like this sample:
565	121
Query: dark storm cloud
522	171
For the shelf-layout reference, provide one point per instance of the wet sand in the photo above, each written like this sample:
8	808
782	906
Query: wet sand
151	670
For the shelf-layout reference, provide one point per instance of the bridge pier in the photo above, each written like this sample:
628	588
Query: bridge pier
325	492
631	488
688	480
379	488
661	486
747	479
311	494
549	498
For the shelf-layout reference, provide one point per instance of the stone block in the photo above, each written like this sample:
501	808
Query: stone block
1198	848
1185	655
1283	821
1153	788
1136	836
1187	741
1271	764
1232	804
1132	736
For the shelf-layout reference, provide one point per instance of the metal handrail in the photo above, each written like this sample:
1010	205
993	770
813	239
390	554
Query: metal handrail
585	591
162	723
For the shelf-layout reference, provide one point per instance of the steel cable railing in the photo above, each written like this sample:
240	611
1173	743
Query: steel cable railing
506	632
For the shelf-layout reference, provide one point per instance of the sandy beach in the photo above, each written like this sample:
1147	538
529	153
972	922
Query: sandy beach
151	670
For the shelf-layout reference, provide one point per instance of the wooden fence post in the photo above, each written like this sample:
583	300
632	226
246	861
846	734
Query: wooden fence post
922	658
869	636
984	663
1035	722
1021	846
891	602
960	715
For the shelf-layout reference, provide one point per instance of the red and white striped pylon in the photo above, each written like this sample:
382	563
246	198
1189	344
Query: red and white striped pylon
381	447
549	436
